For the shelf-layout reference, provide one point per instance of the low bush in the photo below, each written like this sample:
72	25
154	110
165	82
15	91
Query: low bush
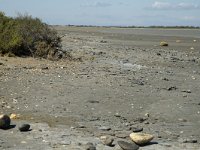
28	36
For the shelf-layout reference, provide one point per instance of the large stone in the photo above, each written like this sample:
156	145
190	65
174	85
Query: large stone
141	138
128	146
107	140
90	146
164	43
4	121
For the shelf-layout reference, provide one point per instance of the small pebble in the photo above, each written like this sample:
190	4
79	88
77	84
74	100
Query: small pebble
104	128
93	101
45	68
24	127
81	126
182	120
188	140
128	146
147	115
136	129
23	142
117	115
121	135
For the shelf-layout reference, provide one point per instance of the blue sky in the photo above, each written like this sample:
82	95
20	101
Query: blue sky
108	12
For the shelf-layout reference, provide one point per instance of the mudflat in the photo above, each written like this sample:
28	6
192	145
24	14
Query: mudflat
120	79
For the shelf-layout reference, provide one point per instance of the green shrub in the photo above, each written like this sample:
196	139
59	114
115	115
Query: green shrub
27	36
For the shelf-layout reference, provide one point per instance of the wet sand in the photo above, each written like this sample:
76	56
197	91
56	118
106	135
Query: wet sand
117	76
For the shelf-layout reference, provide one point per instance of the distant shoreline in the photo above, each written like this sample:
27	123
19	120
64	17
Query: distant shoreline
146	27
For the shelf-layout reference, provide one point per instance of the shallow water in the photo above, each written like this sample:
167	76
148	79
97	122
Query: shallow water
161	32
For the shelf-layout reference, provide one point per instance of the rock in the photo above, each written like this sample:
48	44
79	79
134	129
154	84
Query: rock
81	126
104	128
127	124
141	138
94	118
90	146
182	120
93	101
1	63
188	140
23	142
107	140
140	120
45	68
14	116
103	41
136	129
186	91
164	43
158	54
128	146
172	88
121	135
24	127
8	107
138	82
165	79
4	121
65	142
147	115
117	115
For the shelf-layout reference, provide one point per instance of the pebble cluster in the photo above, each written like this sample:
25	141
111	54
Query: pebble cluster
5	123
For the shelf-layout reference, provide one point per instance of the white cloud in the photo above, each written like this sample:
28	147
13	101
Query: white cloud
169	6
189	18
97	4
187	6
161	5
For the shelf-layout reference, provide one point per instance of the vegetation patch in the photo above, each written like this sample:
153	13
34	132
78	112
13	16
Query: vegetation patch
28	36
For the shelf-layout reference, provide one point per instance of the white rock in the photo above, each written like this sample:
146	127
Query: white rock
141	138
163	43
107	140
14	116
147	115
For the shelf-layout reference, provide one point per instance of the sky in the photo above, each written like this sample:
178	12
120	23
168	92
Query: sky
108	12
